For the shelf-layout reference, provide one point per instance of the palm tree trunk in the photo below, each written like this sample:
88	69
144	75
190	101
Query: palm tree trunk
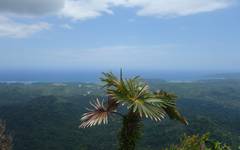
131	131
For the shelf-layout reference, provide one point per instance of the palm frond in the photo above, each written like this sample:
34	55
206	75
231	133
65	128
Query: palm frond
99	113
136	95
110	79
171	108
96	116
149	110
173	113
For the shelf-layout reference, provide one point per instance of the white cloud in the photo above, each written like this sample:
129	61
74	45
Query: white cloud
163	8
89	9
86	9
9	28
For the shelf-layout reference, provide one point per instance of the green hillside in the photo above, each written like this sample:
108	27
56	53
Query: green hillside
46	116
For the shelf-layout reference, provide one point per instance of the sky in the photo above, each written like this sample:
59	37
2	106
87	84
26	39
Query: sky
129	34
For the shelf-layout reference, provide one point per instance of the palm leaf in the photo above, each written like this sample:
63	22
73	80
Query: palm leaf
171	109
97	115
136	95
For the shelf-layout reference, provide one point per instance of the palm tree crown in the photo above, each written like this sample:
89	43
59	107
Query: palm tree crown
135	95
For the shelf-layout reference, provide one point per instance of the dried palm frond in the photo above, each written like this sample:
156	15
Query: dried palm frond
97	115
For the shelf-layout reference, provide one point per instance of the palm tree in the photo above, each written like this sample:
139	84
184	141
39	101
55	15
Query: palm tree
139	102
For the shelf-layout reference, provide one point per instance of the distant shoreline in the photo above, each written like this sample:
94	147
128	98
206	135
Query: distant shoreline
93	77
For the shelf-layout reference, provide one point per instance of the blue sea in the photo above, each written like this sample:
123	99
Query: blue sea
93	76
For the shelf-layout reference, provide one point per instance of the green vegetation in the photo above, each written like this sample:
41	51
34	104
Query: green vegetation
45	116
139	101
197	142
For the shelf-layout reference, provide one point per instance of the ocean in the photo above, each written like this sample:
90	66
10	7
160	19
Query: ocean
93	76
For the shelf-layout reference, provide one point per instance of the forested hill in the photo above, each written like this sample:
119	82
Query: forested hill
45	116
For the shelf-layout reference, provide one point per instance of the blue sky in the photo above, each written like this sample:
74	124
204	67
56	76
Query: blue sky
110	34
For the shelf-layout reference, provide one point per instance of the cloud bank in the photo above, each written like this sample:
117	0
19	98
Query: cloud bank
163	8
9	28
89	9
85	9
